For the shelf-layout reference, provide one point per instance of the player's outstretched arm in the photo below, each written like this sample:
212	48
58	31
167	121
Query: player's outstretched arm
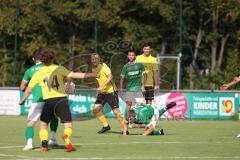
232	83
224	86
26	95
79	75
237	79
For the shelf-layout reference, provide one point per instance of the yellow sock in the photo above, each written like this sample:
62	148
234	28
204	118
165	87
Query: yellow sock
121	119
43	134
102	119
67	132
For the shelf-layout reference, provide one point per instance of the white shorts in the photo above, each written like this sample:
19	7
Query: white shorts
154	118
134	97
35	111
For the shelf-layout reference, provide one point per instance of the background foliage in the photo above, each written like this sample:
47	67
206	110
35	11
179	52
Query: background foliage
211	34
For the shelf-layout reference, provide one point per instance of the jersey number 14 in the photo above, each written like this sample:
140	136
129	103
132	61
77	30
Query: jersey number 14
53	84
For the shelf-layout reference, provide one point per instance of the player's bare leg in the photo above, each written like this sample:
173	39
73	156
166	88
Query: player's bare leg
128	107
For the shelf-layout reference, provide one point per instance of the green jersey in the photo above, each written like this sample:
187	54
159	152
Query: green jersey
144	113
133	75
37	91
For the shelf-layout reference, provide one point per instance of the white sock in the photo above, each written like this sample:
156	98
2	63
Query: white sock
52	135
29	141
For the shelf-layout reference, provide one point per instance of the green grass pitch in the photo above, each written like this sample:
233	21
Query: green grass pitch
184	139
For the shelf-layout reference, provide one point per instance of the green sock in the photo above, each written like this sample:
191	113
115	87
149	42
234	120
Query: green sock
54	124
156	132
162	111
29	133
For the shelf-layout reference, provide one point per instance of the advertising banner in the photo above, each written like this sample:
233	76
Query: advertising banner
189	105
200	105
212	105
9	102
81	104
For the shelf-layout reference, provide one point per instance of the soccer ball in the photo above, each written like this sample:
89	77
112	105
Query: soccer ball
70	89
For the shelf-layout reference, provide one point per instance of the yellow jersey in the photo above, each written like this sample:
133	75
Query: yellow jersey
51	80
150	65
104	72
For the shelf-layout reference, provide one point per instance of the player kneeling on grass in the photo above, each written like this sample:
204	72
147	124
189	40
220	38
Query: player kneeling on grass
148	115
51	78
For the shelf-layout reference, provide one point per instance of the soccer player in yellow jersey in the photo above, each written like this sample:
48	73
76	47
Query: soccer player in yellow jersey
151	71
107	93
36	105
51	78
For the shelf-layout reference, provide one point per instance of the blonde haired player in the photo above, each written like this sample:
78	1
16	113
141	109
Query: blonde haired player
107	93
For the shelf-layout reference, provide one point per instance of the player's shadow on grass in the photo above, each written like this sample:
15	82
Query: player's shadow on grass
57	147
51	147
54	147
39	148
61	147
115	132
77	136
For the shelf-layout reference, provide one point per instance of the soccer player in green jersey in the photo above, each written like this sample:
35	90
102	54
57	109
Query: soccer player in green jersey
148	115
51	78
36	106
132	72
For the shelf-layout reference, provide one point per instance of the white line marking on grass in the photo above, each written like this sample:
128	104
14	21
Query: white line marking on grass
140	158
8	155
129	143
136	142
3	147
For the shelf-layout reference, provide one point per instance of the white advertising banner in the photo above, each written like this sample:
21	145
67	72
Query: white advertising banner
9	102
